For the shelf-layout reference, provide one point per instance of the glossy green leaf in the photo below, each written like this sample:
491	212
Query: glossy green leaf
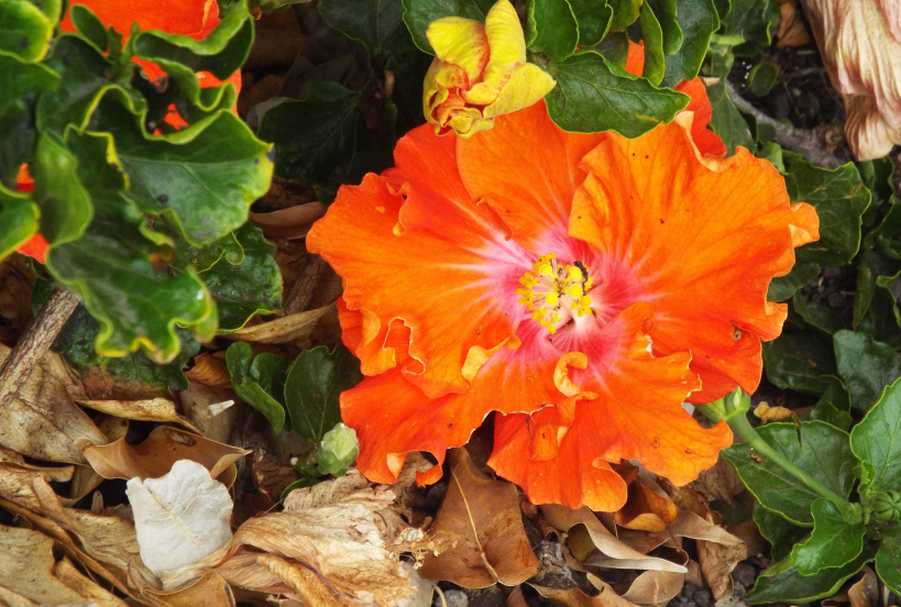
552	28
749	24
667	12
337	451
800	361
876	442
110	266
18	220
247	284
817	448
315	379
25	31
866	365
840	198
312	136
652	35
372	23
833	407
593	17
419	13
763	78
888	560
816	310
18	78
784	287
89	26
625	13
727	121
592	95
66	207
203	178
257	380
697	22
833	543
780	534
781	583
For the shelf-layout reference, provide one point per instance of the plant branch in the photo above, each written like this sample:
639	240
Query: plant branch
36	341
810	144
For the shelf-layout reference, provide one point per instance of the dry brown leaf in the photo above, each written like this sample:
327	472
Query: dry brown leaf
336	543
647	509
576	597
481	520
29	571
41	420
290	223
59	474
612	552
717	562
210	591
149	410
717	483
207	408
209	370
766	413
791	31
865	591
655	587
516	598
283	330
162	448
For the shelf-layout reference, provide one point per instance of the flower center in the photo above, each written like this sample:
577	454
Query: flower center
555	292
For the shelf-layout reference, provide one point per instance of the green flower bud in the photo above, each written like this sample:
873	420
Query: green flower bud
337	451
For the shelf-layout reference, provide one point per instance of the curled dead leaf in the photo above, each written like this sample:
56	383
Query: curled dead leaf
150	410
155	456
791	31
865	591
481	523
59	474
655	588
718	550
576	597
209	370
285	329
611	551
208	408
648	508
289	223
40	418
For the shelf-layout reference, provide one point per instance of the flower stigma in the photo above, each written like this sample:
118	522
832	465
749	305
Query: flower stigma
555	292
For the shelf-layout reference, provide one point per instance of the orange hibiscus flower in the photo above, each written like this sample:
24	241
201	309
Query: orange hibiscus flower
582	286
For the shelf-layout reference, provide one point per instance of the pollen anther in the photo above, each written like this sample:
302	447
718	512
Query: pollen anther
555	292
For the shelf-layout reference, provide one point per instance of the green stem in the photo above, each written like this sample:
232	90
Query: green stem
748	433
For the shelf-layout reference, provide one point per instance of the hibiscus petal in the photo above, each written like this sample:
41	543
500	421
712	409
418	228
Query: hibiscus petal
704	238
460	42
411	246
708	142
195	18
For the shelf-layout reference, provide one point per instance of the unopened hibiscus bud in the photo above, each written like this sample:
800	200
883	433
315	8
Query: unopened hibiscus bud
338	450
480	71
860	41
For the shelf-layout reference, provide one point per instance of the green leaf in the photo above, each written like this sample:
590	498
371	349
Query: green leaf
840	198
18	78
25	31
876	443
592	95
866	366
553	29
593	17
18	220
315	379
313	136
784	287
763	78
751	22
777	531
667	12
372	23
814	307
697	21
800	361
246	284
419	13
727	121
110	266
652	34
256	379
833	407
203	178
90	27
66	207
625	13
817	448
888	558
337	451
781	583
833	543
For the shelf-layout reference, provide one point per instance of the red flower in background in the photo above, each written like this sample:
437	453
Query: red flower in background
582	286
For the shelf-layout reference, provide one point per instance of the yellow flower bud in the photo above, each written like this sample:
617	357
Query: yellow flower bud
479	72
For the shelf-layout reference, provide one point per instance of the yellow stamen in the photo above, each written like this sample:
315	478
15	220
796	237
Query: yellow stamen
555	292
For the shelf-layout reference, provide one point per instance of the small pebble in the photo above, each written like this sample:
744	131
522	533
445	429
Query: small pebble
745	574
456	598
703	598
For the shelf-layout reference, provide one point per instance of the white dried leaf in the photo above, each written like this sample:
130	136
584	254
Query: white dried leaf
180	517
